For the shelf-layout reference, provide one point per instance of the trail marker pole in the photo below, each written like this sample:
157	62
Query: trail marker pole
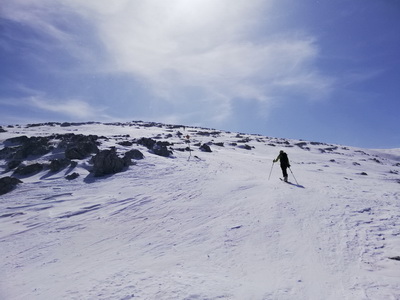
188	142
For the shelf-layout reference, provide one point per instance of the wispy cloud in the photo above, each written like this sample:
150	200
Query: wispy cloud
50	27
72	108
28	110
214	46
202	51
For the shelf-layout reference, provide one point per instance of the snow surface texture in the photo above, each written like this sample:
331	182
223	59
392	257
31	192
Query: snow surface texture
208	226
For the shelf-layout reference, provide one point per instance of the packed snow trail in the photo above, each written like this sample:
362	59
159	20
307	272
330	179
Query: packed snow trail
208	228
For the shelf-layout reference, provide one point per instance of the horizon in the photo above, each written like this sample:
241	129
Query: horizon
316	71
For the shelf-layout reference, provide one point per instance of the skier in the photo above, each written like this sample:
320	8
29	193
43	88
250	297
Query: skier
284	164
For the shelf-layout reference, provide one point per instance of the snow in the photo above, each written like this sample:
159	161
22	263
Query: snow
209	227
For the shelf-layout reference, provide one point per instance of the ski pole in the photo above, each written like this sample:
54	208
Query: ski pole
271	170
293	176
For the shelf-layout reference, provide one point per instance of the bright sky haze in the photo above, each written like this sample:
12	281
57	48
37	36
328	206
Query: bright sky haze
325	71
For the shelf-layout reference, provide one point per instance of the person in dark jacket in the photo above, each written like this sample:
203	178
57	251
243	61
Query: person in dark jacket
283	158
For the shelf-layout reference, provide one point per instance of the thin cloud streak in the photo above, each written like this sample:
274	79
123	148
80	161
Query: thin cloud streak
71	108
208	52
205	45
51	28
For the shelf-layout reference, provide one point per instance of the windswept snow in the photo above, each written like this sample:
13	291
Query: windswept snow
209	227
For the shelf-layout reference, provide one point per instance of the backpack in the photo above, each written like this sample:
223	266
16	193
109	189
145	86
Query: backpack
284	159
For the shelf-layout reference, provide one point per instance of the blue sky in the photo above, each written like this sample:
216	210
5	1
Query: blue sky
326	71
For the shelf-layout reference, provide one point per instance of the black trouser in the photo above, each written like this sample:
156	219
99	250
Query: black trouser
284	170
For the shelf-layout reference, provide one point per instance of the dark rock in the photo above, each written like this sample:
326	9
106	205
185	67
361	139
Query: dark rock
205	148
147	142
72	176
107	162
2	130
81	150
376	160
208	133
7	184
29	169
13	164
183	149
18	140
158	148
70	140
23	147
7	152
59	164
247	147
245	140
331	148
165	143
161	150
33	125
134	154
125	143
317	143
204	133
301	144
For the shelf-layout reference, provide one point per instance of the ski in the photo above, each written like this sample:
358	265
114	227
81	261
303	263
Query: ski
291	183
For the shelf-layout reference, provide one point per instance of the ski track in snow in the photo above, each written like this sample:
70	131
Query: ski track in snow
208	228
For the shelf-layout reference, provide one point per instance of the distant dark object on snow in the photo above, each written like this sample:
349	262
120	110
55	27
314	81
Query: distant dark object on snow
125	143
22	147
7	184
395	258
79	146
161	150
205	148
72	176
59	164
245	146
107	162
158	148
134	154
147	142
27	170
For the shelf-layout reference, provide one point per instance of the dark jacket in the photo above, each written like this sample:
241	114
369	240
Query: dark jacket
283	158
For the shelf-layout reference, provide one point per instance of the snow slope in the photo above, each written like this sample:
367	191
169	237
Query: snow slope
209	227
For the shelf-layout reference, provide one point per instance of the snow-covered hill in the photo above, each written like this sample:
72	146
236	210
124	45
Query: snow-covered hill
196	224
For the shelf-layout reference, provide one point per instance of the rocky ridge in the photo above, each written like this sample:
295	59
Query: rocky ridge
25	155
